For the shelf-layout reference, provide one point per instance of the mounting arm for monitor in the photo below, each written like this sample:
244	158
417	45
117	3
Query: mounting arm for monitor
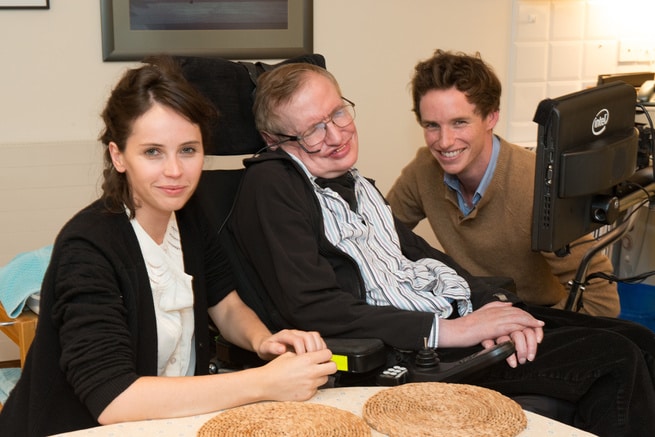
615	206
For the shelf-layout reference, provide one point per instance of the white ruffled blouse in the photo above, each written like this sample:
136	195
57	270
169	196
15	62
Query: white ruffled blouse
172	294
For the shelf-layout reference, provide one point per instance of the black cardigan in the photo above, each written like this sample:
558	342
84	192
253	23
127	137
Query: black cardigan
310	284
96	332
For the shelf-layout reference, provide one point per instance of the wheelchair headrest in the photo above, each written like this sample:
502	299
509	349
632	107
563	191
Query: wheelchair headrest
230	86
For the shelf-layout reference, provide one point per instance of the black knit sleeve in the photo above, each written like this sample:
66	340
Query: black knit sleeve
89	312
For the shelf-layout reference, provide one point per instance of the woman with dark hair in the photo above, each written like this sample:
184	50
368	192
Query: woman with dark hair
123	324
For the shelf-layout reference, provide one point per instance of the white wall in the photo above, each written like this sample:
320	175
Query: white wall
561	46
53	84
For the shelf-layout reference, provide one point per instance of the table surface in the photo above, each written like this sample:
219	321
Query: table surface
350	399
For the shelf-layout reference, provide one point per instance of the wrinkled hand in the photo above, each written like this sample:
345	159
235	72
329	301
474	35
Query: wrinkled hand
522	329
494	323
293	377
525	341
292	340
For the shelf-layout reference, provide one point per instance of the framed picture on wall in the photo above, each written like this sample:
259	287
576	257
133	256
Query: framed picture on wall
24	4
232	29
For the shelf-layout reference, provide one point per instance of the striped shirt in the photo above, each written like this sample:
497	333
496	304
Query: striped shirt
369	236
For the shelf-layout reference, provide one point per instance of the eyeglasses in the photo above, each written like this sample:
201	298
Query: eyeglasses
315	135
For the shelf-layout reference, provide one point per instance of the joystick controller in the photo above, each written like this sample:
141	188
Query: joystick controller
427	367
427	357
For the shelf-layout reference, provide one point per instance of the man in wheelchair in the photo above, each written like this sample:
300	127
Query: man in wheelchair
334	259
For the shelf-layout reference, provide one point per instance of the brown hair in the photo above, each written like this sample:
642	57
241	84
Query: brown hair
277	87
468	74
159	80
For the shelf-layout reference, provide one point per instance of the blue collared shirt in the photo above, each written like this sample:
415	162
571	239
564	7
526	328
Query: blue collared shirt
453	182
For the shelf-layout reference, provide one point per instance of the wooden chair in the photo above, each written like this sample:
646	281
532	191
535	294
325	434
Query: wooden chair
20	330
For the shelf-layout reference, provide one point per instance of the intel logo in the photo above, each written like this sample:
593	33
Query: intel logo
600	122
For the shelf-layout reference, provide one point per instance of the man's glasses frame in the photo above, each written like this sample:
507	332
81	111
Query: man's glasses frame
341	117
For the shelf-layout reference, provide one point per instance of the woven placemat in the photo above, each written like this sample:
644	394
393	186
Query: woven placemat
443	409
285	419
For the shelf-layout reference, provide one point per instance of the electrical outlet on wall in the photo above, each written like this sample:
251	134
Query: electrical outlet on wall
636	51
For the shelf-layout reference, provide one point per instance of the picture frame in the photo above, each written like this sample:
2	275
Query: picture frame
24	4
122	40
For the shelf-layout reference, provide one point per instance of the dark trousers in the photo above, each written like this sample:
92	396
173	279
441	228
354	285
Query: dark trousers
605	366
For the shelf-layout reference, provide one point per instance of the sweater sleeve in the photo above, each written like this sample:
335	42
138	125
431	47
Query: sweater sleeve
90	315
276	224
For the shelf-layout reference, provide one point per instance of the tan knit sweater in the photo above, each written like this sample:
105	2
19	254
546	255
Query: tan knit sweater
495	238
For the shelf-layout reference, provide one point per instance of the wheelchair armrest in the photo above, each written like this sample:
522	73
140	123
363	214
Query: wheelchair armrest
369	356
350	354
357	355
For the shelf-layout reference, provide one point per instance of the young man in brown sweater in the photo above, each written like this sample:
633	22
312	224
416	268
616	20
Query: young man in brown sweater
476	189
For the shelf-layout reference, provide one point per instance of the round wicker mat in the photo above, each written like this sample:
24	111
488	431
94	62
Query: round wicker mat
285	419
443	409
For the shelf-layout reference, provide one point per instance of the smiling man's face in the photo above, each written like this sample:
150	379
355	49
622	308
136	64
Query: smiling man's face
459	137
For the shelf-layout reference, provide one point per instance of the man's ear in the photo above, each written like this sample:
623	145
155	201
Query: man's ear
492	119
116	157
268	138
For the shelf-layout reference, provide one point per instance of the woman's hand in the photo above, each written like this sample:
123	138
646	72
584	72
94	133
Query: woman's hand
240	325
289	377
293	377
292	340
